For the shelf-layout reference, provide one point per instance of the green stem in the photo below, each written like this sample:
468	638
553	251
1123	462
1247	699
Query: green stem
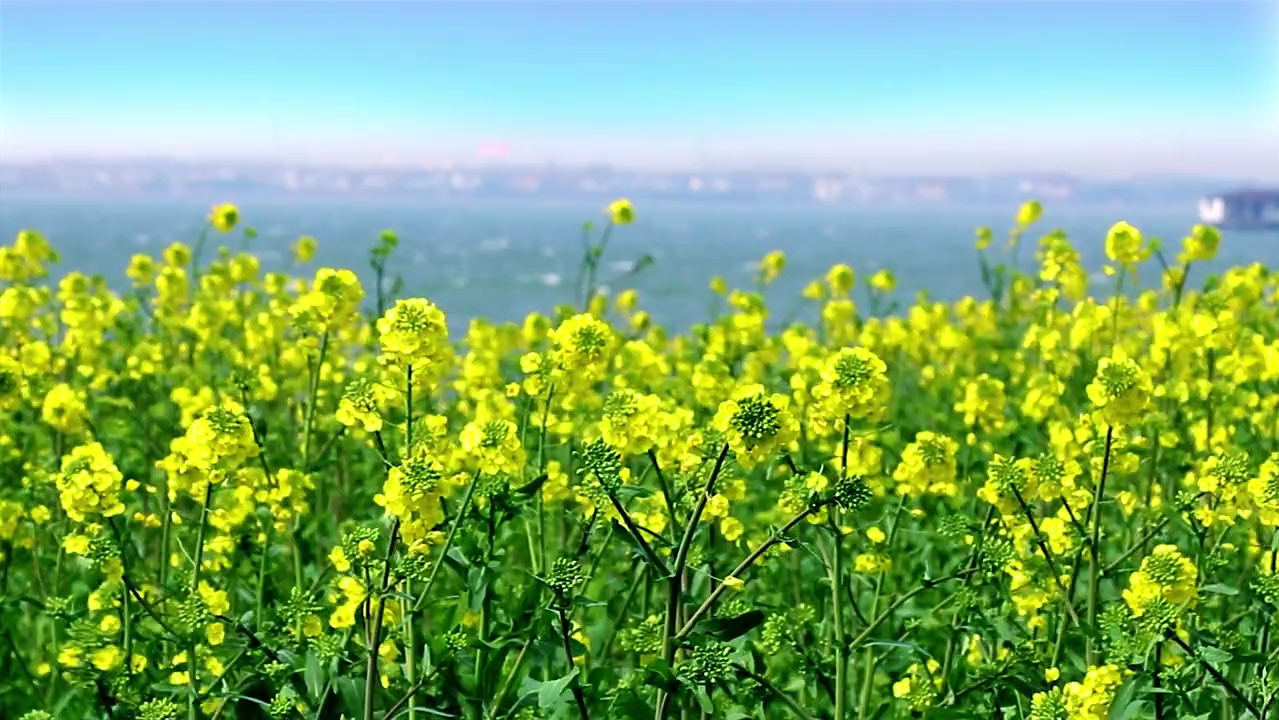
1048	556
666	492
837	608
195	256
1156	682
1141	542
410	661
795	707
1094	551
505	687
448	544
888	612
199	536
593	257
195	588
1216	675
675	582
266	548
741	568
311	401
375	634
649	556
868	674
539	562
410	639
836	591
578	696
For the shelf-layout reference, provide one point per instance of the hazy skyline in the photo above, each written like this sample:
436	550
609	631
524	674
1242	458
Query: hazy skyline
902	87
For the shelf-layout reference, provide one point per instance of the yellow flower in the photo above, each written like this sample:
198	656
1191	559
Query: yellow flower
854	383
415	333
1164	574
631	422
141	270
1120	390
64	409
1201	244
927	466
731	528
224	217
76	544
621	212
215	600
1029	213
1125	245
883	281
493	447
215	633
1091	699
582	347
338	557
71	656
89	484
985	236
361	405
304	249
757	425
841	279
771	266
107	658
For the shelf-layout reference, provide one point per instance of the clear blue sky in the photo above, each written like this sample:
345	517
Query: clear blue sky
1074	86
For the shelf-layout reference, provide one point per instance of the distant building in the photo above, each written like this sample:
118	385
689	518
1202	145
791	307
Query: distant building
1244	209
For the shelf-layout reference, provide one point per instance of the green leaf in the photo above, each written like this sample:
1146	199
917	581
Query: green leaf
1214	655
658	674
703	700
314	676
456	560
477	582
352	695
1220	589
532	486
550	693
1125	705
627	492
726	629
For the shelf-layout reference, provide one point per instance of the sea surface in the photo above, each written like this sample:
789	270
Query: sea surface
503	259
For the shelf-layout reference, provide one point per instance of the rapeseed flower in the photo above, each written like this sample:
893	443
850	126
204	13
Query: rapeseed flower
1165	574
854	384
90	484
414	333
756	424
224	217
1120	390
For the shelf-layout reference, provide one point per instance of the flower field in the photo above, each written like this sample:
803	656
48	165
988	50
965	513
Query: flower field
228	493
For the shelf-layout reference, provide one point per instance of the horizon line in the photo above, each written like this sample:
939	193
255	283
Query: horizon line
709	167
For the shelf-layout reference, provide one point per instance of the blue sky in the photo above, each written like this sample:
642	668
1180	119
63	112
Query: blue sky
1100	87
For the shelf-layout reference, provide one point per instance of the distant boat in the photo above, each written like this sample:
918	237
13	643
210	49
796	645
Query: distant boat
1242	210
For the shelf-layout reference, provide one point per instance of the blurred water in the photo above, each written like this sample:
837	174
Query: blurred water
503	259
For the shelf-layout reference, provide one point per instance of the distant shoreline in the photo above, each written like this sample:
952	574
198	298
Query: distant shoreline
589	204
